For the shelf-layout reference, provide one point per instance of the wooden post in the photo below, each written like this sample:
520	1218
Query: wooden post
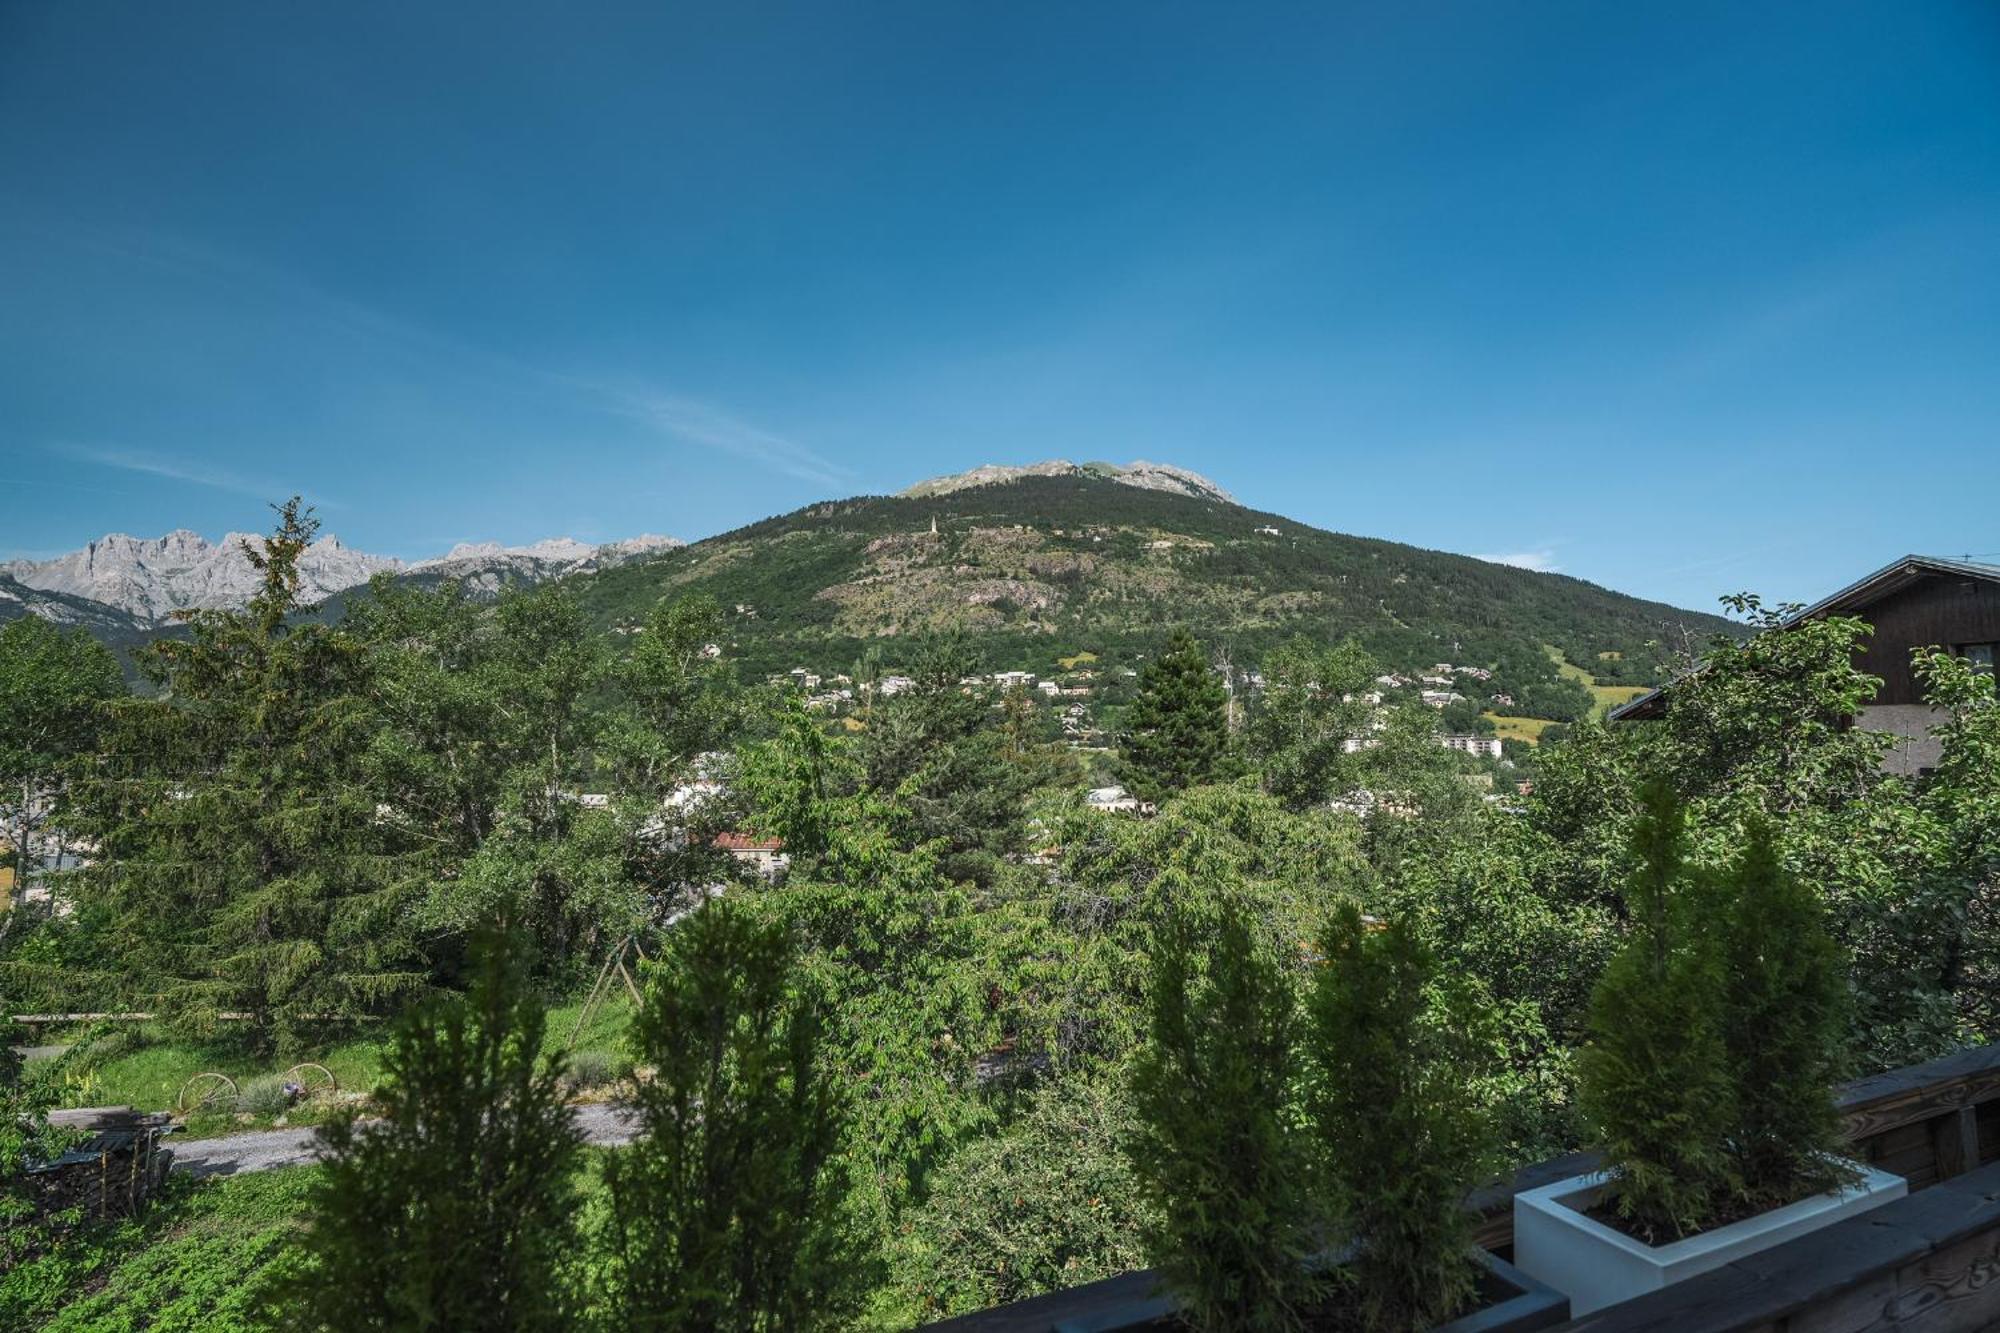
1955	1142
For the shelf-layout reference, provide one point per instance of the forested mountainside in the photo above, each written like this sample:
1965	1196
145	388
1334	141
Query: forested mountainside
1038	567
1038	564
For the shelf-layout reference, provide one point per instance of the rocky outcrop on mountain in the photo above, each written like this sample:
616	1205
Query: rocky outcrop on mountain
151	579
1148	476
148	579
485	567
106	623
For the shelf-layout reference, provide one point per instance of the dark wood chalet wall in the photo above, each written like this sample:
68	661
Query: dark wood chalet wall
1940	610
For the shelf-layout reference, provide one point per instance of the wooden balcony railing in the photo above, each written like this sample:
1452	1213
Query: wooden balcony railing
1929	1262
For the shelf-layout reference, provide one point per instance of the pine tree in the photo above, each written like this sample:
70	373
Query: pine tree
1400	1125
1786	1018
1655	1080
1177	730
731	1211
454	1212
243	863
934	752
1216	1155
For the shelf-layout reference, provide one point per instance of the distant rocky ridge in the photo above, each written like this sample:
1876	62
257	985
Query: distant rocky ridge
1148	476
103	622
148	579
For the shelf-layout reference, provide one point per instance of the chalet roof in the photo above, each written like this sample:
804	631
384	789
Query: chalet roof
1862	593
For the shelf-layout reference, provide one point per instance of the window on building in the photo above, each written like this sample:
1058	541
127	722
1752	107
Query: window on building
1981	655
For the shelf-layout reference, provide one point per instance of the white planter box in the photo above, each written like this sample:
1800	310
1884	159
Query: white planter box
1596	1265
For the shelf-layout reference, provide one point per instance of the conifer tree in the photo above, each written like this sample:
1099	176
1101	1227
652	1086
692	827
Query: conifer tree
1177	730
1655	1080
1786	1007
732	1209
934	753
1399	1121
1216	1156
454	1212
243	864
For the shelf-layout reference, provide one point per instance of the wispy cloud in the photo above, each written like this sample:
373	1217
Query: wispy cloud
687	419
174	469
1542	562
701	423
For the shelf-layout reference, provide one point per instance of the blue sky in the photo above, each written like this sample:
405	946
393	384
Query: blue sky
1682	301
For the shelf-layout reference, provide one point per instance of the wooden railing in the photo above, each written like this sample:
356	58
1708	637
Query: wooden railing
1928	1262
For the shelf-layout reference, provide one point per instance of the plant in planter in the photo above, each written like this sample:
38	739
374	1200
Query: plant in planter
1249	1234
1715	1040
1217	1154
1655	1078
1402	1130
1785	1018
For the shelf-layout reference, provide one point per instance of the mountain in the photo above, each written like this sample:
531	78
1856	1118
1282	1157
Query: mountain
150	579
146	580
1146	476
485	567
1038	563
106	623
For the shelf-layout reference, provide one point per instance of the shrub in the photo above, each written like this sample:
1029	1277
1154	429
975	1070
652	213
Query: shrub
590	1069
264	1095
1786	1018
732	1210
1216	1156
1400	1125
1048	1202
454	1212
1654	1082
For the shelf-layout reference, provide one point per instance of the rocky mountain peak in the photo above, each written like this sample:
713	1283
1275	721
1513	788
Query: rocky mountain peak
1149	476
149	579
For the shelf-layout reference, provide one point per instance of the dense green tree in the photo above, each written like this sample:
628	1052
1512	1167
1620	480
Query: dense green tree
1399	1119
1217	1157
54	684
1176	731
1048	1201
1501	924
1768	718
1655	1079
243	864
1314	702
732	1211
1784	1026
455	1210
1120	879
936	755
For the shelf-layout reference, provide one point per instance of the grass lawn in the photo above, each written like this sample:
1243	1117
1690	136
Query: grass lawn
213	1256
1611	696
1527	729
1604	697
145	1068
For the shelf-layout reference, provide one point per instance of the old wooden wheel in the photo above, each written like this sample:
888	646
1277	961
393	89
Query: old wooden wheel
201	1090
312	1080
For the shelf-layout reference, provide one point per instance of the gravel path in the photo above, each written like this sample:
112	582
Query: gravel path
268	1149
